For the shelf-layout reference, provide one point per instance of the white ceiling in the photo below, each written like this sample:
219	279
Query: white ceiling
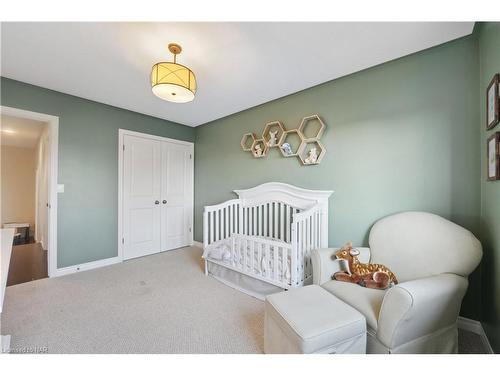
19	132
237	65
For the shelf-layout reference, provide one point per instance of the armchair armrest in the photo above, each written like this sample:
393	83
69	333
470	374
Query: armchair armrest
417	308
324	266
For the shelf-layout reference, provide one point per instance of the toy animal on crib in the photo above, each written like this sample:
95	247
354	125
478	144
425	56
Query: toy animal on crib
375	276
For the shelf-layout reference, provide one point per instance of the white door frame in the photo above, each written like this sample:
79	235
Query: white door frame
121	134
53	126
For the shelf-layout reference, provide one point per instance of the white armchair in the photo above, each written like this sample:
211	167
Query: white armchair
432	258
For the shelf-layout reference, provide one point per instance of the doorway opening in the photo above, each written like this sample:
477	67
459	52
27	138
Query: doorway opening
28	161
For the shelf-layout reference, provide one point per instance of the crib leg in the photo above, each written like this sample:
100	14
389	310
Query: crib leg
206	268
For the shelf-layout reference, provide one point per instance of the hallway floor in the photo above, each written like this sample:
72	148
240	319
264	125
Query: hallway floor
27	263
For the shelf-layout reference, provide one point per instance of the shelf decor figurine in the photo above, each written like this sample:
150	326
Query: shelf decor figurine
287	149
313	156
257	151
272	138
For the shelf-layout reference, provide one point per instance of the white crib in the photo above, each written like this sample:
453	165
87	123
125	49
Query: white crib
267	235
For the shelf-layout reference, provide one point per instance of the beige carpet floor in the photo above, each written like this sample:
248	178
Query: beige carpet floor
157	304
162	303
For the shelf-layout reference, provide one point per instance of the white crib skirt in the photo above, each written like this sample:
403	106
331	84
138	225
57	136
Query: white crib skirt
246	284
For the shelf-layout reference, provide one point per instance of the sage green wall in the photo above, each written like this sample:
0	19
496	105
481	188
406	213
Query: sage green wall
400	136
88	165
489	57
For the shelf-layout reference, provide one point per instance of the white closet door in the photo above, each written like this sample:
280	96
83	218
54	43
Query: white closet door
141	196
177	195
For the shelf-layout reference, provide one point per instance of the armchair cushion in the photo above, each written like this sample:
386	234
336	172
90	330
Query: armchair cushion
367	301
420	307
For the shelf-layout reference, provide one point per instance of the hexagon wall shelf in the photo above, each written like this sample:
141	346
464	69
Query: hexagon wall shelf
311	152
247	141
312	127
302	142
275	128
259	148
287	139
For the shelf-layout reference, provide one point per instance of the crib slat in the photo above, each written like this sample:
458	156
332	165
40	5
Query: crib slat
217	225
256	221
302	246
276	219
226	222
252	254
318	243
230	208
282	222
245	253
287	223
212	226
268	258
308	249
234	243
276	261
294	255
266	229
284	261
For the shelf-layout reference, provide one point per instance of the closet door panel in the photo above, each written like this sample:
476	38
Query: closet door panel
176	192
141	191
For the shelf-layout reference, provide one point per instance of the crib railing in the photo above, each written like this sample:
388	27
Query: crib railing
265	259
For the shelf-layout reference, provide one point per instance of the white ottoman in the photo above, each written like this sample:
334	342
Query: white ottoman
312	320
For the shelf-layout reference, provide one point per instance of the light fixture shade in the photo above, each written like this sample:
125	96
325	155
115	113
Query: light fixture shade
173	82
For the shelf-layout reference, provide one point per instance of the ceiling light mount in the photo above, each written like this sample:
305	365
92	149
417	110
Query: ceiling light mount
171	81
175	49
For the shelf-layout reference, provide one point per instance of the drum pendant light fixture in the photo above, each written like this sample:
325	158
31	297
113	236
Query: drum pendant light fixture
171	81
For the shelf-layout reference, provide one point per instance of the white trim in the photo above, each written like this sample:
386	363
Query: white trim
87	266
5	344
53	125
151	136
121	134
476	327
197	244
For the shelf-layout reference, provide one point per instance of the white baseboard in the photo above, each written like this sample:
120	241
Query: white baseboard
5	344
86	266
197	244
476	327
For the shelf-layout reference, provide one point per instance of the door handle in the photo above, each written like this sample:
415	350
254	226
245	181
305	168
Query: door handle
164	201
157	202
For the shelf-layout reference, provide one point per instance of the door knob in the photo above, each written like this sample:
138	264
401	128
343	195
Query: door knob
164	201
157	202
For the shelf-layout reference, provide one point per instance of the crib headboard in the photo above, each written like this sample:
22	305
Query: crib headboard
272	210
285	193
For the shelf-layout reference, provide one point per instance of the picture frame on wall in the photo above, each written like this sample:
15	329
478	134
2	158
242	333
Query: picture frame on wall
493	103
493	157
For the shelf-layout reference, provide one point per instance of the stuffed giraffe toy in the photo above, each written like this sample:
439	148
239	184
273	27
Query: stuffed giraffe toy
375	276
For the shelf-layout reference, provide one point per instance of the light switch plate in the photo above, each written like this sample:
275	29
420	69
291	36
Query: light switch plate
60	188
